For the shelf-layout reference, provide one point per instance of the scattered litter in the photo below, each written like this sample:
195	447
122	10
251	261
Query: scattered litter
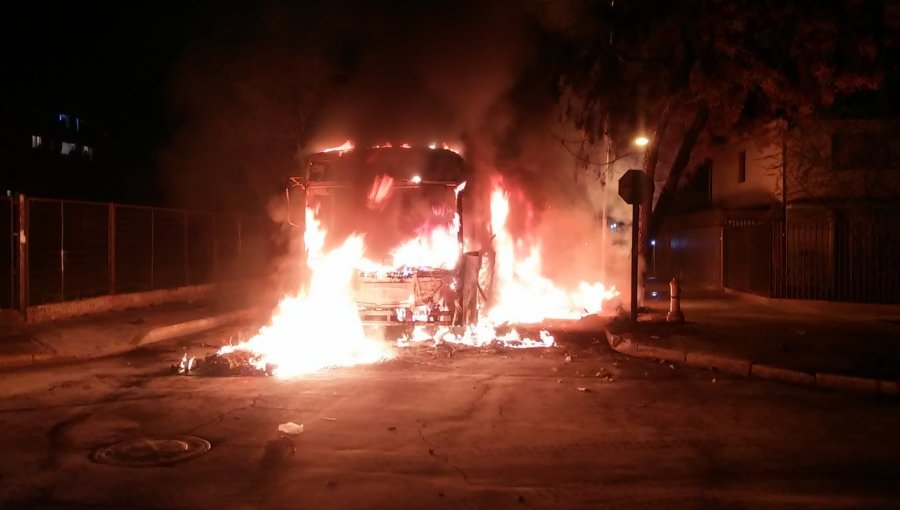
431	451
599	374
672	366
616	364
655	337
583	389
555	369
559	381
392	428
714	379
329	418
290	428
568	358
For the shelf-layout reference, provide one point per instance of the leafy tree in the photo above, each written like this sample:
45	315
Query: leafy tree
690	73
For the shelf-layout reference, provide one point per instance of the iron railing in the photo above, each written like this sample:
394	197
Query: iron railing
846	255
80	249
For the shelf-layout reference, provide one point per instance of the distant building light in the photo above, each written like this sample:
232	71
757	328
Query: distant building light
416	179
88	151
654	293
613	225
36	141
68	148
77	124
653	242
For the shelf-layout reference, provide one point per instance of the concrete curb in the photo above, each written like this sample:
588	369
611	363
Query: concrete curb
747	368
151	336
186	328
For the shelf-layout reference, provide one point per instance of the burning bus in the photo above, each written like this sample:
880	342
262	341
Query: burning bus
386	242
407	204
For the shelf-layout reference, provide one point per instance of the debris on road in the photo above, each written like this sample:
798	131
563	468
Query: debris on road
290	428
235	363
583	389
330	418
568	358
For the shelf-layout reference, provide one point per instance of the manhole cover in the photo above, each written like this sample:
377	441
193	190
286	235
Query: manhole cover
152	451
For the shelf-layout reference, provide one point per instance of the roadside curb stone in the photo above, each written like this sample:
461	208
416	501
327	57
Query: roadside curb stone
747	368
727	364
153	335
190	327
648	351
846	382
781	374
889	387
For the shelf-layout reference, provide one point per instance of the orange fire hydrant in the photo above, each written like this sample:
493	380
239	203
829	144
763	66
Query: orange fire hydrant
674	314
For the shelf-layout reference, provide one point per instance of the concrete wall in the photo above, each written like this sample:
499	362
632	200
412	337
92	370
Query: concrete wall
761	186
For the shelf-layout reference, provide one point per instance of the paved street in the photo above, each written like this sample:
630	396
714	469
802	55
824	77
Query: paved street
435	429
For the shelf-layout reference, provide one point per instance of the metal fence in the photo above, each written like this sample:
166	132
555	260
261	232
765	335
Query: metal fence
8	246
84	249
849	255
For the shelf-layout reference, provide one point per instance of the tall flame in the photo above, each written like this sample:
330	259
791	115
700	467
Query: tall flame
320	326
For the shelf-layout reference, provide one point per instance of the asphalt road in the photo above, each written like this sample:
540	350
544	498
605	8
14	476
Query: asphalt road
434	429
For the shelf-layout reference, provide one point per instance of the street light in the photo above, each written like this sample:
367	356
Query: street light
641	141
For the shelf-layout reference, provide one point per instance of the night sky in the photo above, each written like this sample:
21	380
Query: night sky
197	91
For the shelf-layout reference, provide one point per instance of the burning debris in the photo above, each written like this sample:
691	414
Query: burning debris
224	364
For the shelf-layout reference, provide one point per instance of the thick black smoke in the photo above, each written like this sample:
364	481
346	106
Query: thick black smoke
284	80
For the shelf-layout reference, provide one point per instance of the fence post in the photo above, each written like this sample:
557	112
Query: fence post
62	250
240	248
187	274
215	239
111	247
152	245
23	253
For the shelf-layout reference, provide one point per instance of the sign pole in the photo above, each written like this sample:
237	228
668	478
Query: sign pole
635	217
634	187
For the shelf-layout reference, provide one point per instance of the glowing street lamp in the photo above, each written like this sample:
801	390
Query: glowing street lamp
641	141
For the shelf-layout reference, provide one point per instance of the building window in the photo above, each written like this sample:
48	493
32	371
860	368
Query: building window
742	166
68	148
36	141
88	152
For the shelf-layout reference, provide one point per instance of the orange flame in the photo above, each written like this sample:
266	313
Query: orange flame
347	146
320	326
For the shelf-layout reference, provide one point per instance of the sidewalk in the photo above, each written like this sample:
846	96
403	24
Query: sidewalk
798	344
113	332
